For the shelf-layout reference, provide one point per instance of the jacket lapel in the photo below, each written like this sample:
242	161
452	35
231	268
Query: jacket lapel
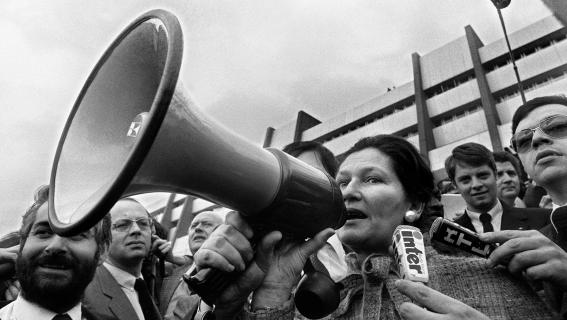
513	219
119	303
465	221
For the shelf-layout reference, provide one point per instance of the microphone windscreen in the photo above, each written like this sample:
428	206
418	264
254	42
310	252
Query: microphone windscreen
455	235
409	253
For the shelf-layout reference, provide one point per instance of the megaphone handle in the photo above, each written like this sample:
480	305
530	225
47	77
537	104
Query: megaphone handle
208	283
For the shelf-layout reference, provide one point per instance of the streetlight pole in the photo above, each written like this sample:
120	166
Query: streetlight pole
501	4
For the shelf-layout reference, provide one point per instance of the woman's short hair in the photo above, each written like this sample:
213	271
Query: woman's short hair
410	168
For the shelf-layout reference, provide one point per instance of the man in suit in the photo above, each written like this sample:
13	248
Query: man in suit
471	167
176	299
508	179
539	136
118	290
53	270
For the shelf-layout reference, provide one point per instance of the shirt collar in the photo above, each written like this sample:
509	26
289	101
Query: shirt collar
497	209
23	309
124	278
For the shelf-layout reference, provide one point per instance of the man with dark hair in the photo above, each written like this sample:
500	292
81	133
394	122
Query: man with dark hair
314	154
472	169
54	271
539	136
118	291
508	182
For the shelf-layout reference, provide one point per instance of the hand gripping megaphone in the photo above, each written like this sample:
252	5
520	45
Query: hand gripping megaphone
134	130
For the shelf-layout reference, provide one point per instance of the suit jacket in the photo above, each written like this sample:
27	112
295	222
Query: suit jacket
168	287
514	218
105	300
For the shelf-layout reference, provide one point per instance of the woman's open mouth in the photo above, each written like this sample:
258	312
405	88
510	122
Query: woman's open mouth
355	214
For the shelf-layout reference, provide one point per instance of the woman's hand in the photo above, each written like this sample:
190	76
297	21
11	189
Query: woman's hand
285	264
432	304
273	271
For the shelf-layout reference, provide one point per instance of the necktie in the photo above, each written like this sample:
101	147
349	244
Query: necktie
146	302
61	317
485	218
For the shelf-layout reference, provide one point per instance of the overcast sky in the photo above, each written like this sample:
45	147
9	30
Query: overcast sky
249	64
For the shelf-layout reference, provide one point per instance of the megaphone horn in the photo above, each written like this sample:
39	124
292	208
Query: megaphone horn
134	130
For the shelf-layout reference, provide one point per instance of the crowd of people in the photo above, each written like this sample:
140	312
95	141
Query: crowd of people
123	269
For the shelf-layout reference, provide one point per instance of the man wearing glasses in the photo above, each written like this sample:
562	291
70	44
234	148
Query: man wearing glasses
539	130
118	290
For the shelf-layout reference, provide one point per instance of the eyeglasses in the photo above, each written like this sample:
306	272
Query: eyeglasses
554	127
124	225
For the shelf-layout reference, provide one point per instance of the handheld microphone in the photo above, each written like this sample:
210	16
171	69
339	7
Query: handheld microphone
455	235
409	252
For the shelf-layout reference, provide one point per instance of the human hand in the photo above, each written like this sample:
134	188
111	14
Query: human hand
161	248
529	253
546	202
285	265
8	261
12	289
431	304
8	255
228	248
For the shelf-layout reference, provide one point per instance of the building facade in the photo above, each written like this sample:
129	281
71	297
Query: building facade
464	91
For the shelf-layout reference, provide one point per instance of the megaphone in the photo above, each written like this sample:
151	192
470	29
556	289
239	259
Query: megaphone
133	129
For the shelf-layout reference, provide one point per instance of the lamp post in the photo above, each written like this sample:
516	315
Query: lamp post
501	4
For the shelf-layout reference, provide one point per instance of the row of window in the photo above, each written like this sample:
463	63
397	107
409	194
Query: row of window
369	121
522	53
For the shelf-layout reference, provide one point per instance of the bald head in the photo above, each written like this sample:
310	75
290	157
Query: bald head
201	228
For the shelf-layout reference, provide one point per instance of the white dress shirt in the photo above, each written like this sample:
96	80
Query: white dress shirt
495	213
126	282
332	256
21	309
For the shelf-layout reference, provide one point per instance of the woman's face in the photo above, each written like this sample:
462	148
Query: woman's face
375	200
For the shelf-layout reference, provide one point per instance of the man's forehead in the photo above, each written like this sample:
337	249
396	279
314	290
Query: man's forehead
208	216
540	113
501	165
42	214
127	209
466	169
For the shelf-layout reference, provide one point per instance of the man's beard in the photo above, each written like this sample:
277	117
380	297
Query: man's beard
54	293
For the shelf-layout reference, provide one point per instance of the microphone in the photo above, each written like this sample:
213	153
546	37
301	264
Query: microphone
409	252
455	235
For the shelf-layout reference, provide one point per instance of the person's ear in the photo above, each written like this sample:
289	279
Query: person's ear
414	213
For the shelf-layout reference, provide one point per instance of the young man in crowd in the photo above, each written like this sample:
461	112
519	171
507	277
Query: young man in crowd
472	169
53	270
508	179
177	301
118	291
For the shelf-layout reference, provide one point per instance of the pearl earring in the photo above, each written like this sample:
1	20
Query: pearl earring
411	216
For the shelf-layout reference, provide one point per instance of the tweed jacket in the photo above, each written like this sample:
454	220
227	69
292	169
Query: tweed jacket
369	291
514	218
